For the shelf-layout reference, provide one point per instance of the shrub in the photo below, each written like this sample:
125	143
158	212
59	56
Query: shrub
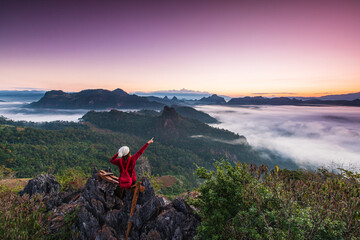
6	172
21	217
71	177
250	202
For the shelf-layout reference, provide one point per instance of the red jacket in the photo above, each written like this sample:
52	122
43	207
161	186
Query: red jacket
116	161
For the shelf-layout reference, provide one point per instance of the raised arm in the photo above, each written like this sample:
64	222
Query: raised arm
115	161
141	151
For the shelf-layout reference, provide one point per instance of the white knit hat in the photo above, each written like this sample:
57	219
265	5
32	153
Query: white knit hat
123	151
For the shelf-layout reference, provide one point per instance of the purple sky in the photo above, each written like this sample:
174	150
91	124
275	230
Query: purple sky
226	47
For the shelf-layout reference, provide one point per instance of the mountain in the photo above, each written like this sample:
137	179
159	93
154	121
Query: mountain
166	101
143	125
192	113
160	126
181	94
171	129
289	101
212	100
184	111
21	96
347	97
354	103
264	101
93	99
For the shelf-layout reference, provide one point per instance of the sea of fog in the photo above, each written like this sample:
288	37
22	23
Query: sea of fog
311	136
16	111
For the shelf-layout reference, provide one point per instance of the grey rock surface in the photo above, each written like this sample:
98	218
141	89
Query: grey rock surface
99	213
43	184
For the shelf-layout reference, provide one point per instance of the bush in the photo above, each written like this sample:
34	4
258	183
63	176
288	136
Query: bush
249	202
21	217
6	172
71	177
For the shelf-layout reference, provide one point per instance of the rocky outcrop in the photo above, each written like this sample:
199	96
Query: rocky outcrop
169	113
98	212
44	184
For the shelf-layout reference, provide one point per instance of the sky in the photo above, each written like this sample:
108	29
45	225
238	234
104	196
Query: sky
234	48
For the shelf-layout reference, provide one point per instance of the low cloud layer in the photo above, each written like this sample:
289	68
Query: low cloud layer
241	141
311	136
15	111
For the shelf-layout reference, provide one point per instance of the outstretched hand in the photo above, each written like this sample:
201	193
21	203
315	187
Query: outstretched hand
151	141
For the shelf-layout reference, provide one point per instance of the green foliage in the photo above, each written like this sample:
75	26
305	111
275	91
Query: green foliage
249	202
21	217
173	191
221	198
154	183
74	177
6	172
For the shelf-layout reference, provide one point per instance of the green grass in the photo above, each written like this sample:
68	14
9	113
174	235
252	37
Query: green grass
20	217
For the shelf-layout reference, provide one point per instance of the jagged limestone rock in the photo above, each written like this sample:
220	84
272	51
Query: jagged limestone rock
99	213
43	184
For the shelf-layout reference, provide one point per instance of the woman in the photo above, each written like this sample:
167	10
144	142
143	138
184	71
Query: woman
126	164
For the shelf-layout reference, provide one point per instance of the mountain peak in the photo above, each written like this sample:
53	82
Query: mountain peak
120	92
213	99
92	92
169	113
54	93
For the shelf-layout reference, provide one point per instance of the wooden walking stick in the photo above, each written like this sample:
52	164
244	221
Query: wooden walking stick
133	205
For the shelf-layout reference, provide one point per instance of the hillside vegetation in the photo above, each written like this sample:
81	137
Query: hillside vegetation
249	202
33	148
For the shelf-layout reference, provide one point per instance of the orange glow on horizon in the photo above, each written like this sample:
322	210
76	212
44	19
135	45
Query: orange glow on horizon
232	94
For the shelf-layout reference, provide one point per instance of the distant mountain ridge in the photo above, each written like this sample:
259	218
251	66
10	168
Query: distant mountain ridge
210	100
347	97
290	101
166	101
334	97
94	99
20	96
183	94
118	98
104	99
